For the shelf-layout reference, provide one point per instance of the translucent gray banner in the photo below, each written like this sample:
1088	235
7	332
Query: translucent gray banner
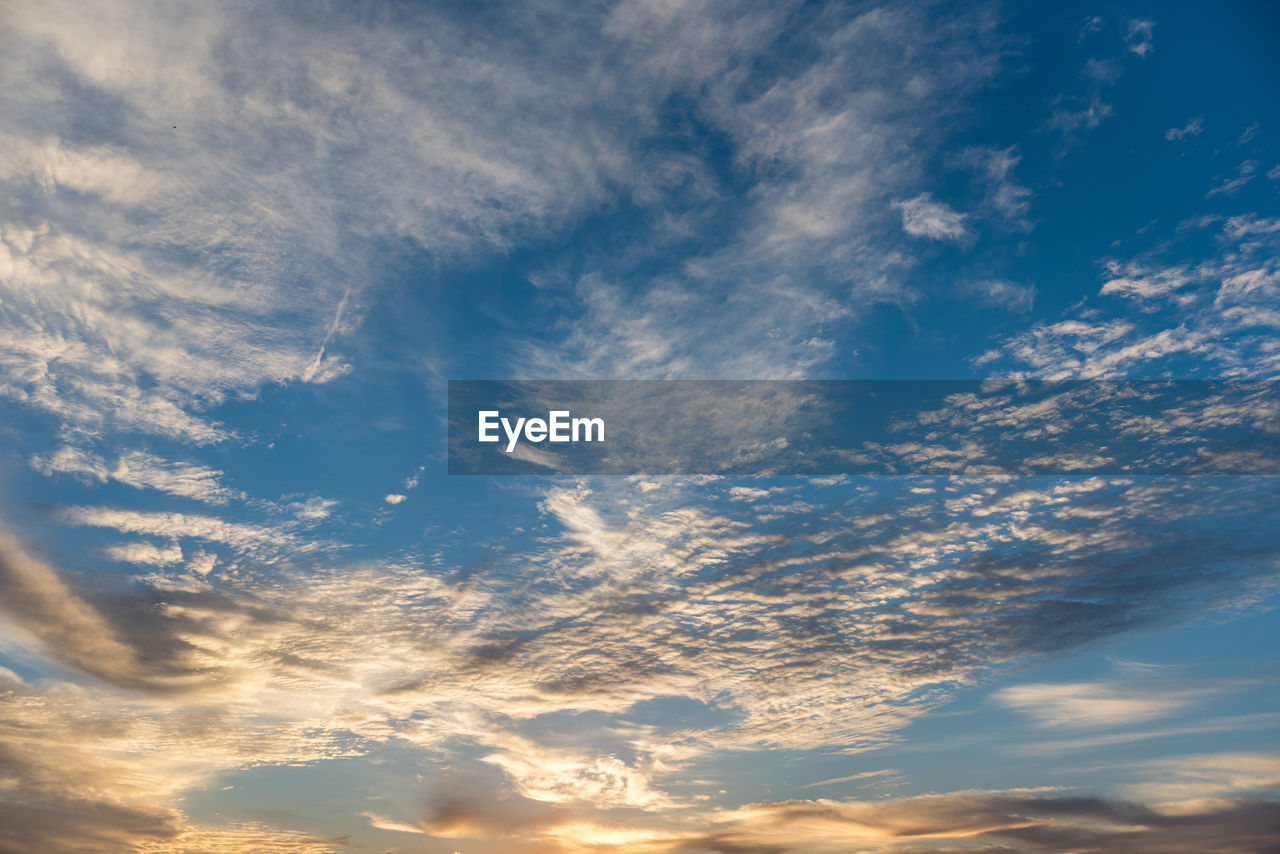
819	427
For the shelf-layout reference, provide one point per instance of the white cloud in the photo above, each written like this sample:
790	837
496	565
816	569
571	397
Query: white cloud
923	217
832	636
1079	114
394	498
1095	704
1136	280
1192	128
140	470
561	776
1011	200
1206	775
1138	37
1003	294
199	240
73	461
1210	317
314	508
826	142
146	553
1245	173
265	542
187	480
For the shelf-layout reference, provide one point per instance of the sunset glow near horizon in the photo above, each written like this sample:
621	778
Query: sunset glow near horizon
244	607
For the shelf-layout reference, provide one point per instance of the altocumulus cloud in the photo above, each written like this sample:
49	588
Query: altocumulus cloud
828	627
194	227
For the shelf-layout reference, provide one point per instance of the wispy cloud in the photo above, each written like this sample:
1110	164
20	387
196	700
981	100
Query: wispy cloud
146	553
1192	128
206	234
140	470
827	144
1096	704
71	629
198	205
924	217
1003	294
264	542
1203	317
1204	776
1138	37
1245	173
831	626
995	165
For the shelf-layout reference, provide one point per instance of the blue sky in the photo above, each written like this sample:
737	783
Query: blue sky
243	607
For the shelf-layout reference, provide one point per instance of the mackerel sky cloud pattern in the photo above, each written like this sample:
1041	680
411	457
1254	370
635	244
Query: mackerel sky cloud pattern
245	607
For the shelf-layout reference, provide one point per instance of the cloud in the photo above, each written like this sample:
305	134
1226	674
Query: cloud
1198	727
864	775
74	461
1094	704
193	222
1245	173
394	498
542	773
146	553
923	217
1011	200
1027	820
1138	37
1192	128
140	470
792	616
1079	114
199	238
990	822
826	142
72	630
1197	316
314	508
1103	71
265	542
1204	776
1138	280
1076	113
1003	294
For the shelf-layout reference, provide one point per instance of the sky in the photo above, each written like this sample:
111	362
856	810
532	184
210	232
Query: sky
245	608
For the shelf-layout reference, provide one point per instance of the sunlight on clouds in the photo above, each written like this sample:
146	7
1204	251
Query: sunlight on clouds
141	471
37	599
1215	318
264	542
1095	704
205	208
146	553
558	776
833	637
1197	777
